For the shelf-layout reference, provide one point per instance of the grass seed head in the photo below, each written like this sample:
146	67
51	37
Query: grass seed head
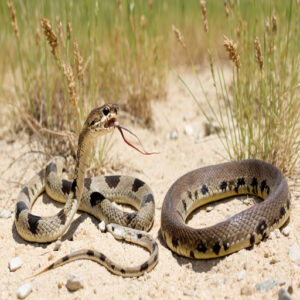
274	24
78	62
13	19
226	8
179	36
38	37
50	35
232	50
143	21
150	4
60	32
204	14
69	30
258	55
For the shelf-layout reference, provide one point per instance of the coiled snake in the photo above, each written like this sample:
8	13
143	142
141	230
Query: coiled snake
212	183
90	195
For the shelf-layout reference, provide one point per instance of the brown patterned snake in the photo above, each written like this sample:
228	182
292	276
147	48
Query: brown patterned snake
92	195
212	183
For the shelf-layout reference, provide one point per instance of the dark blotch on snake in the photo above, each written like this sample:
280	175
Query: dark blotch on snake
74	184
33	222
263	185
184	205
20	206
225	245
216	248
252	239
190	195
137	184
201	247
62	216
113	266
66	186
96	198
261	227
174	242
87	183
51	266
144	266
90	253
240	182
192	255
254	185
122	271
155	257
51	168
153	247
112	181
196	194
65	258
288	203
149	198
223	186
25	191
282	211
130	217
139	235
204	189
102	257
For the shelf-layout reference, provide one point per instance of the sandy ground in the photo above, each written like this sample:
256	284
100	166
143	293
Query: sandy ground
174	277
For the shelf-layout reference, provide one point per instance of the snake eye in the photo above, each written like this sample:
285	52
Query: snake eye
105	110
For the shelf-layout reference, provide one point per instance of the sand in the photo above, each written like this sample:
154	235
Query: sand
232	277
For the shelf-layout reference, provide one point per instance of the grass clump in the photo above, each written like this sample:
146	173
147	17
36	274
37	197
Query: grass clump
259	111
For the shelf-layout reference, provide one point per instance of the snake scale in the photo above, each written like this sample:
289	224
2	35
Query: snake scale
93	195
192	190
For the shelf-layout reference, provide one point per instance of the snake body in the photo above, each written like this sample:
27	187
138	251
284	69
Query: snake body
217	182
93	195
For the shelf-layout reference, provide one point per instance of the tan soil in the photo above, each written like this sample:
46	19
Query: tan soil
174	277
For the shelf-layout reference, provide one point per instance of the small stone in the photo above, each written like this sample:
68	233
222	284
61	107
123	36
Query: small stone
102	226
36	267
209	208
74	282
241	275
290	289
174	134
57	245
72	250
294	253
59	285
15	263
247	201
24	290
283	294
277	233
286	231
246	290
267	285
188	130
5	214
50	257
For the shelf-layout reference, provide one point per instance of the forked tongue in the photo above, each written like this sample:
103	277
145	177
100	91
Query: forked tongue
143	151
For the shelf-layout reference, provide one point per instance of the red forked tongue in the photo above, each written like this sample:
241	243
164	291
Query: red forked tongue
128	143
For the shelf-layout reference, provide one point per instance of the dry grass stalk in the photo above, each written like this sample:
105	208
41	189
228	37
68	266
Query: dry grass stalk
50	35
13	19
132	22
232	5
69	30
60	32
274	24
78	61
143	21
226	8
204	14
38	37
232	50
267	26
150	4
179	36
258	55
119	5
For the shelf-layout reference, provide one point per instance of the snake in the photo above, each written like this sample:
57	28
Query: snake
242	230
93	195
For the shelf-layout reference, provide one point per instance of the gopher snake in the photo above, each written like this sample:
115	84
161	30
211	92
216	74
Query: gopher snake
212	183
90	195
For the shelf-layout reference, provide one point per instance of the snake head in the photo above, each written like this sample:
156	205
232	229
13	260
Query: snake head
101	120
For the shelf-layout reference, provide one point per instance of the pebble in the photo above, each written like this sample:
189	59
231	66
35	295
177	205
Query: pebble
277	233
294	253
283	294
268	284
246	290
24	290
210	129
286	231
57	245
209	208
72	250
241	275
74	282
5	214
102	226
173	134
15	263
188	130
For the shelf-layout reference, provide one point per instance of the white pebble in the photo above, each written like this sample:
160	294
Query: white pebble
294	253
72	250
188	130
15	263
241	275
286	230
24	290
209	208
277	233
102	226
5	214
174	134
57	245
74	282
